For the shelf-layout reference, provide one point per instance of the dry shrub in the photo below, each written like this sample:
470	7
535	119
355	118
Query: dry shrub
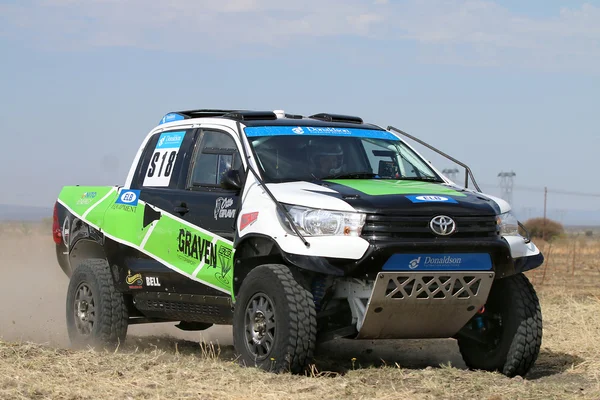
545	229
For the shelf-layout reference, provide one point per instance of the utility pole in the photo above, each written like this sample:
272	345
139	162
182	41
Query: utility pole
450	173
506	185
561	214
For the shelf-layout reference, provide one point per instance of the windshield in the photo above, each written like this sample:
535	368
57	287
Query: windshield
307	154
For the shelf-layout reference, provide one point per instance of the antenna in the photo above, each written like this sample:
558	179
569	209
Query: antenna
506	185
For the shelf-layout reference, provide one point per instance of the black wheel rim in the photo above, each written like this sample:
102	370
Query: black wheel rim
84	309
259	326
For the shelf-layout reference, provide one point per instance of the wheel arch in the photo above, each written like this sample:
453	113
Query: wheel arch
256	249
250	252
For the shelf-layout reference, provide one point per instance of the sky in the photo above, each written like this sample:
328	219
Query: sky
500	85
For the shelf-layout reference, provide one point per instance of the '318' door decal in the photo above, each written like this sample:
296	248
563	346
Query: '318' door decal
163	159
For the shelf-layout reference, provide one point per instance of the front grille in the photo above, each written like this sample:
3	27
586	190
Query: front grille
378	226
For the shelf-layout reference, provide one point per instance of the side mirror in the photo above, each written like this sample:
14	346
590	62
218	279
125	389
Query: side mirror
231	180
387	169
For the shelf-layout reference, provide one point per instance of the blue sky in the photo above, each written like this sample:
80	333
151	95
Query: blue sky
501	85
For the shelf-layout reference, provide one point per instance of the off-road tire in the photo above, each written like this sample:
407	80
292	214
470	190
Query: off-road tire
295	320
520	337
111	315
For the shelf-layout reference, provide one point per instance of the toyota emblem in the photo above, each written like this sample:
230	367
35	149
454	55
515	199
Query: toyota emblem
442	225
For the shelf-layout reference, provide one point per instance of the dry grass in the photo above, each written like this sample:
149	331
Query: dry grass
157	368
572	262
165	367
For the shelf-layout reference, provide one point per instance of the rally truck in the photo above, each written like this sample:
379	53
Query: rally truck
294	230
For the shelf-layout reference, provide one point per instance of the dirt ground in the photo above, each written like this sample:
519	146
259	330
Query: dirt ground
160	361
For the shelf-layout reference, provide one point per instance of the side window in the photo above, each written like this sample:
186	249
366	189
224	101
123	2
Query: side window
161	158
216	154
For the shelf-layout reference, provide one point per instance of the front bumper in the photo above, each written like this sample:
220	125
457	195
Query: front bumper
380	252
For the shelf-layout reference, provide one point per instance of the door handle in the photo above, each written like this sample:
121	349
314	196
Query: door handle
181	210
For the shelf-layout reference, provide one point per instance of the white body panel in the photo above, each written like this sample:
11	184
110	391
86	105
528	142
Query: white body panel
256	199
304	194
518	247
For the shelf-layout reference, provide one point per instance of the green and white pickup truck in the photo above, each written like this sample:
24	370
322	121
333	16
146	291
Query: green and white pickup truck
294	230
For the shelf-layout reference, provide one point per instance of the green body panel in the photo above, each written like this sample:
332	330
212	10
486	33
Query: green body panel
380	187
81	198
182	247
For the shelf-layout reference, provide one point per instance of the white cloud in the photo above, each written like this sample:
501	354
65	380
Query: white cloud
475	32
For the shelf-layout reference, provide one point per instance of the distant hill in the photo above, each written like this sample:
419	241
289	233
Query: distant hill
23	213
579	218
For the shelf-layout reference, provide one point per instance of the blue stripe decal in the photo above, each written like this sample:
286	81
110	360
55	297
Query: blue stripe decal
170	117
439	262
318	131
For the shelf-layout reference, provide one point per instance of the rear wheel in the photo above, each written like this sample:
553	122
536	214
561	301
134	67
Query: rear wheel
507	336
274	321
96	313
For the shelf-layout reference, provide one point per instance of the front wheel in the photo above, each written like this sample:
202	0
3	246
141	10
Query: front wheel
274	321
507	336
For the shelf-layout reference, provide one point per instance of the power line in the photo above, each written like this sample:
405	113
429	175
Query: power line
550	190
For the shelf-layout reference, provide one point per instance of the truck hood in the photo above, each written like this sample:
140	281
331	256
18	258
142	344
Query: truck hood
386	197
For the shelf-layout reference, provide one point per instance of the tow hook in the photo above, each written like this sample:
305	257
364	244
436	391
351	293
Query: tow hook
479	319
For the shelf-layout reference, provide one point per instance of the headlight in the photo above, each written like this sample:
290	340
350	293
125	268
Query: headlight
317	222
508	223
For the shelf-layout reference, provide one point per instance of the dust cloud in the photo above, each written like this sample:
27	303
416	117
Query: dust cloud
33	292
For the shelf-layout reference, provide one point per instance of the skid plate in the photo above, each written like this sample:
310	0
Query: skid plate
408	305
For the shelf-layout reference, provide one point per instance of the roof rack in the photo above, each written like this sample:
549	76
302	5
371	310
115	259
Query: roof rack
250	115
337	118
186	114
239	115
203	113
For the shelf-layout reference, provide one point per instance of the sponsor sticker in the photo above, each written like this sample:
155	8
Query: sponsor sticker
128	197
86	198
193	248
152	281
439	262
134	280
248	219
171	117
170	140
125	208
430	198
226	264
222	209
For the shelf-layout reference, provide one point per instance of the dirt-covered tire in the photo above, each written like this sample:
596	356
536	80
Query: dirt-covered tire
517	340
274	321
96	313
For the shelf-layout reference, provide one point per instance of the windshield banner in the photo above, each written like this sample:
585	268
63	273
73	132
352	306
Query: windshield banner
318	131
